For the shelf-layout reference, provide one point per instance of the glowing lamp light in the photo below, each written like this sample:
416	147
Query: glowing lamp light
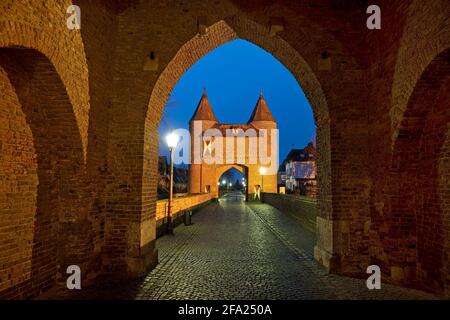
172	140
262	170
224	182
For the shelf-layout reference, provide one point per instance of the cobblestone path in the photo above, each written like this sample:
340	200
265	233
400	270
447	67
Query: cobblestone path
235	250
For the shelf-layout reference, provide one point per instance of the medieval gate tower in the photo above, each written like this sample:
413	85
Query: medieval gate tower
204	177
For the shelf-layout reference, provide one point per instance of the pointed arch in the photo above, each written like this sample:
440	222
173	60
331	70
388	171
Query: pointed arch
67	63
41	169
224	31
418	237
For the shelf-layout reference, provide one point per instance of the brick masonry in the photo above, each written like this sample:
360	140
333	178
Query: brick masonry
179	205
205	176
79	120
409	143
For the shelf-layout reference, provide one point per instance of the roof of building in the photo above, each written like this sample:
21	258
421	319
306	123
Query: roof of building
261	112
305	154
204	110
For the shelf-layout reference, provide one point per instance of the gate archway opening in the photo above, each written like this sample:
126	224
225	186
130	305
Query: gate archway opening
237	27
232	177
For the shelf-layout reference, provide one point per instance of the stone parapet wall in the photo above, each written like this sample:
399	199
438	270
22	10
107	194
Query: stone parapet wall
180	204
302	208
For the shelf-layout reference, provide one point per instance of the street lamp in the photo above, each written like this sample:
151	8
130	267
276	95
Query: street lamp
172	141
223	185
262	171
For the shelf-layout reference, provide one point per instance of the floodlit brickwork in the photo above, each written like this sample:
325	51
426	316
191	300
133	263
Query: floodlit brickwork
237	150
179	205
80	110
408	124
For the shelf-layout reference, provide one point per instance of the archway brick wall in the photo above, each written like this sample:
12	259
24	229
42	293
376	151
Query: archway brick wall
45	169
443	169
18	167
350	169
98	33
413	34
358	101
417	235
348	230
44	29
434	169
45	103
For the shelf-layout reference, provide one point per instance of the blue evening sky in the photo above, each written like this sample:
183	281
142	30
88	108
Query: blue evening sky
233	75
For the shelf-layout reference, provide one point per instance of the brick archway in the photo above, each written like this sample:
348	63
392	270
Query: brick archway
416	52
418	242
42	169
224	168
220	170
229	29
69	64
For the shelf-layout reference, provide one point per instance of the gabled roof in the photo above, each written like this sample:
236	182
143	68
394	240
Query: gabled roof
261	112
305	154
204	110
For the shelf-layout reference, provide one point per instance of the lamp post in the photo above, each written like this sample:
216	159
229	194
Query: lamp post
223	186
262	172
172	141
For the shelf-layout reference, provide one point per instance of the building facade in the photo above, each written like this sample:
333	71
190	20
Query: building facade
300	171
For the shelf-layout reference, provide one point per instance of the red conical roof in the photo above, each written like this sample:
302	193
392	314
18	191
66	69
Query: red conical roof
261	111
204	110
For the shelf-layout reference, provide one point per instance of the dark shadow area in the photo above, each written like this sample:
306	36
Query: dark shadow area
417	232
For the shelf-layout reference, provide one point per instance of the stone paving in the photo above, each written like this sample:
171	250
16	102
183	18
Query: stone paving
235	250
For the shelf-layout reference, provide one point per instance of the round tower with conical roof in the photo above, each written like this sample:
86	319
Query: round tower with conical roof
204	118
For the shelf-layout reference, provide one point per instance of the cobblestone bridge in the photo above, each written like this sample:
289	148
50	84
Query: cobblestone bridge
235	250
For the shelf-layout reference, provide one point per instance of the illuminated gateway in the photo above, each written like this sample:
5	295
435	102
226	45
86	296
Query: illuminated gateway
204	176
